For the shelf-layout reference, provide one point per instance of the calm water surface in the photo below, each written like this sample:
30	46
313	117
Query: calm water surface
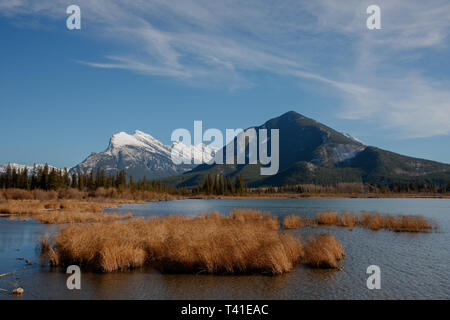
413	266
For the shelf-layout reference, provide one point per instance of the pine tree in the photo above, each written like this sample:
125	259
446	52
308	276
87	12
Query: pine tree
230	186
74	180
66	179
81	181
91	180
221	187
25	183
44	178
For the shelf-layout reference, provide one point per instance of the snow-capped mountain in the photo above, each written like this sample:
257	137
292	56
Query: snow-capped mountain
142	155
21	167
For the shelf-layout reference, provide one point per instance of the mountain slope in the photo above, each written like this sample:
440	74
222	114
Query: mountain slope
311	152
140	155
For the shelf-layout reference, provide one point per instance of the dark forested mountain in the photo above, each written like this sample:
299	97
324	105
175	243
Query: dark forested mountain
311	152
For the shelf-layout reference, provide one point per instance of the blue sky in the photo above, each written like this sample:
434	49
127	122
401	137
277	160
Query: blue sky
159	65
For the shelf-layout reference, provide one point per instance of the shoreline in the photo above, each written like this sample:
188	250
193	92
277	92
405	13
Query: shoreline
325	196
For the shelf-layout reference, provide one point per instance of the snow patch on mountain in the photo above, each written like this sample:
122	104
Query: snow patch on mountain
342	152
352	138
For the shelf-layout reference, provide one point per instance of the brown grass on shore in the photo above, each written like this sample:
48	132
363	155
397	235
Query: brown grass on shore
323	251
243	242
79	217
21	207
98	195
31	207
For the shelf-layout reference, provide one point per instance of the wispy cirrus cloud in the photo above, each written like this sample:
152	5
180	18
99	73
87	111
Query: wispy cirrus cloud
380	75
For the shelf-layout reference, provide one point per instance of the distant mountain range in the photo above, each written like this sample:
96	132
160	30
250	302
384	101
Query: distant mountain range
310	152
21	167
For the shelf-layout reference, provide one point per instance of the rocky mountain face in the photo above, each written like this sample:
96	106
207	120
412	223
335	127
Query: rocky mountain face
141	155
311	152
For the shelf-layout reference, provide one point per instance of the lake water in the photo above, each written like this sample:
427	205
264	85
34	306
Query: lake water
413	266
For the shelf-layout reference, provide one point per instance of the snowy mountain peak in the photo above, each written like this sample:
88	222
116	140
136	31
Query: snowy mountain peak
139	140
140	154
122	139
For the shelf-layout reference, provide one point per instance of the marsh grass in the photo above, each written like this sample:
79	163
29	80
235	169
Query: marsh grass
79	217
369	220
241	243
293	221
258	216
34	207
346	219
402	223
98	195
323	251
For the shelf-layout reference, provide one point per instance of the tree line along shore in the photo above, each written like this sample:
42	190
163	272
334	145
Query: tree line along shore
47	179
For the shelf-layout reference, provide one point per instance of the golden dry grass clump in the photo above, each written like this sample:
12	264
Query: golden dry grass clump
21	207
248	215
348	219
79	217
209	243
370	220
293	221
323	251
376	221
332	218
327	218
32	207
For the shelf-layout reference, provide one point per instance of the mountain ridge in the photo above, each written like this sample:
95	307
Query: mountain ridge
311	152
141	155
